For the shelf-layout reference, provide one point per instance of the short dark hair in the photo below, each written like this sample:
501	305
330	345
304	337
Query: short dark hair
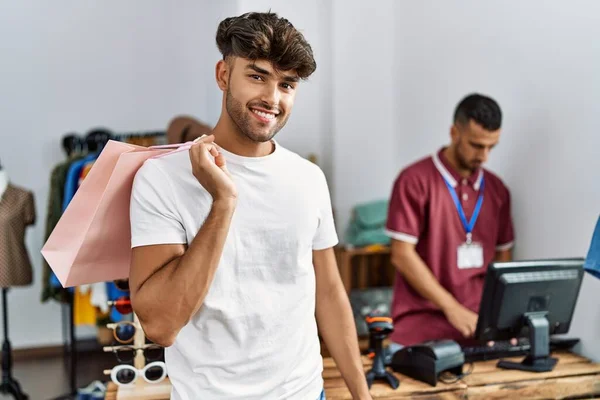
481	109
266	36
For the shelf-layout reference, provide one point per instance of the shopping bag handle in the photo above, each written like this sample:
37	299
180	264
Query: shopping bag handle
178	147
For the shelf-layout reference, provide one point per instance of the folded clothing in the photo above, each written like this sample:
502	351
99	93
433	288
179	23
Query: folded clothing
592	261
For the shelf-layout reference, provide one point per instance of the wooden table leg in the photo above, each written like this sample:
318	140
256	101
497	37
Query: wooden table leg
363	272
391	271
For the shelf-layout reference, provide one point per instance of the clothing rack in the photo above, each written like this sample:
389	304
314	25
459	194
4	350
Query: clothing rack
72	143
124	136
96	139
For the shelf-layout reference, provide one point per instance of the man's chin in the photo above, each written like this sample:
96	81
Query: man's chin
260	137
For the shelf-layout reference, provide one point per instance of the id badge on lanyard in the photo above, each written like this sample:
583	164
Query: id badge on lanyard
469	254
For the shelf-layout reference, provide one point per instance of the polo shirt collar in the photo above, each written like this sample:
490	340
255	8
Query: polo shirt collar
450	174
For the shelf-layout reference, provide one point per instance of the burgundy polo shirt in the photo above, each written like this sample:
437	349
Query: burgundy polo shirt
422	212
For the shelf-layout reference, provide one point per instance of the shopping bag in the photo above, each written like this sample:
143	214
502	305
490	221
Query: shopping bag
92	240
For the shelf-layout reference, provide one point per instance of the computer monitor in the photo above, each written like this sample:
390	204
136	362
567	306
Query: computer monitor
532	299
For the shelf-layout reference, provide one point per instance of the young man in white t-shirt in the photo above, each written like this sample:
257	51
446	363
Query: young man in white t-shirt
233	263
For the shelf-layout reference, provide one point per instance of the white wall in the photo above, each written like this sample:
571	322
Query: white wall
192	26
586	320
540	60
70	66
363	104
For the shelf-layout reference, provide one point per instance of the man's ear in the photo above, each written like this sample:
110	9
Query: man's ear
222	74
454	133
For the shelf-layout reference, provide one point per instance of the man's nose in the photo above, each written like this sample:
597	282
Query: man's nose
485	154
271	95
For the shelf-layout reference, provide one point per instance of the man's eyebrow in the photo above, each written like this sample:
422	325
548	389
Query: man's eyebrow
258	69
474	144
291	78
287	78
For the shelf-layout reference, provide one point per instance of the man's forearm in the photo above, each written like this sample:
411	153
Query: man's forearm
171	296
337	327
503	255
420	278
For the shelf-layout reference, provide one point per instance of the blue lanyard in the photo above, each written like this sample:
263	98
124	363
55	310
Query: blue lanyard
461	213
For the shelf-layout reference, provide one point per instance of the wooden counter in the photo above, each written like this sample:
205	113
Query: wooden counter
573	377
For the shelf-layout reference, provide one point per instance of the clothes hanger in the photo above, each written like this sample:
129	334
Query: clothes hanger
70	143
96	139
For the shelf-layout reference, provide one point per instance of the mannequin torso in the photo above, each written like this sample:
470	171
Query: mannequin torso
17	212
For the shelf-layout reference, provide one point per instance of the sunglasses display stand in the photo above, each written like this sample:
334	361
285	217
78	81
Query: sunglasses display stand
140	389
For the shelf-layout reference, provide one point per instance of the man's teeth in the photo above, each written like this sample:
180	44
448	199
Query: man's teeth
264	114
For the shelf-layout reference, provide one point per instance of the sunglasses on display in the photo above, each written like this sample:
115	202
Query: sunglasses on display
126	375
122	284
126	354
123	331
122	304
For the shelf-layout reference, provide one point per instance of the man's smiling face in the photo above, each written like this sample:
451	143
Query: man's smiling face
259	97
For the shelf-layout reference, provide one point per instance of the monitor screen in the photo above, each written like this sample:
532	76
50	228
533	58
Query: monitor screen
513	290
529	298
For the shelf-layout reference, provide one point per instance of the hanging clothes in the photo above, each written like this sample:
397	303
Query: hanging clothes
89	301
71	183
72	179
84	313
99	297
58	179
85	171
90	304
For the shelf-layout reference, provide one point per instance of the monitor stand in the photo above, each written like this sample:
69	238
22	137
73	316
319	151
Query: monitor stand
539	359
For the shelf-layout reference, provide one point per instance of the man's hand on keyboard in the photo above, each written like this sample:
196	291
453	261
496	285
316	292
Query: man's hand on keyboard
463	319
513	341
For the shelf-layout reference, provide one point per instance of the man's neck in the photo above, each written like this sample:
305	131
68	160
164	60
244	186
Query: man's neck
450	154
228	136
3	182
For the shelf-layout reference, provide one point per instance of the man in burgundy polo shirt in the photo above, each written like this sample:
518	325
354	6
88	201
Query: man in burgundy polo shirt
440	256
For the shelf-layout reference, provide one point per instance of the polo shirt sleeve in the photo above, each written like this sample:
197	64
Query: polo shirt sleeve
326	235
406	212
506	235
153	213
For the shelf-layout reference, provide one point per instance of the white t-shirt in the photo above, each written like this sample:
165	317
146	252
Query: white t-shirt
255	336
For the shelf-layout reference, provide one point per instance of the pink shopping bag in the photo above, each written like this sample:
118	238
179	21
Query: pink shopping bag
92	240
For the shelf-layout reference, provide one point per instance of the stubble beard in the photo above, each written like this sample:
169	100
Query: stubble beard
241	118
